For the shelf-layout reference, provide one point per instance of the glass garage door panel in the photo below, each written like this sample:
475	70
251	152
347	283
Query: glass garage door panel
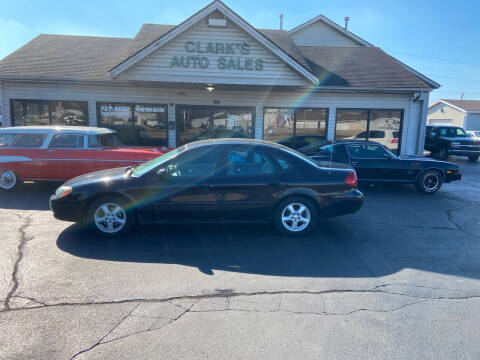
278	123
196	123
385	127
232	123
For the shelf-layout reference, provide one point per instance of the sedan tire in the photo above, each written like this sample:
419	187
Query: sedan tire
295	216
429	182
111	216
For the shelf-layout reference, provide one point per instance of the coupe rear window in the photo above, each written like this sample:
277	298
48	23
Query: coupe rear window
6	139
29	140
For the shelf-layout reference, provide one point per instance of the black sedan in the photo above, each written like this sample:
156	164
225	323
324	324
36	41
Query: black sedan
223	180
375	163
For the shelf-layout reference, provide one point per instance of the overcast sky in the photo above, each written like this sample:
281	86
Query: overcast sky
438	38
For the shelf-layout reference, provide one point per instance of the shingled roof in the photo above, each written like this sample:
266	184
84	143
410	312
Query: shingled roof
84	58
467	105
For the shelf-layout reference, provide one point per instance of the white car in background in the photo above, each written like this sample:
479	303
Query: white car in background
474	133
386	137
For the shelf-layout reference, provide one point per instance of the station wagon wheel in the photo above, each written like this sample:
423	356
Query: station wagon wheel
109	216
295	216
8	180
429	182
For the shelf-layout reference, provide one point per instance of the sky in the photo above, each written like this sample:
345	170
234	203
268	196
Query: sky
437	38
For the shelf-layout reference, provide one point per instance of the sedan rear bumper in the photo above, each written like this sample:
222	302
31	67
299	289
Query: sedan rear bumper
343	204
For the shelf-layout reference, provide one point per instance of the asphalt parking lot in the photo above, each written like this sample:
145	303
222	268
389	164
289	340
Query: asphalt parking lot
397	280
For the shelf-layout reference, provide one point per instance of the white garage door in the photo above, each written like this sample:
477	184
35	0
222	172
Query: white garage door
473	122
441	122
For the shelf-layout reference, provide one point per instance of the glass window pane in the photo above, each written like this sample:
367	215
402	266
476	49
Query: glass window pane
311	122
367	152
18	113
350	123
67	141
244	161
232	123
278	124
197	163
36	113
6	139
385	127
152	121
71	113
193	124
118	116
29	140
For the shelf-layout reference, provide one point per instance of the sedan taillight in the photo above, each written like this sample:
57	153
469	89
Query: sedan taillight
351	179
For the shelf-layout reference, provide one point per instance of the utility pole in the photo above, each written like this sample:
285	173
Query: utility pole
461	98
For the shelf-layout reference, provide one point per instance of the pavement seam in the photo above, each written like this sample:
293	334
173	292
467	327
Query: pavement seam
16	265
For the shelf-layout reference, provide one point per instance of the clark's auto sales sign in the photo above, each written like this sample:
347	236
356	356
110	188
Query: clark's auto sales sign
230	56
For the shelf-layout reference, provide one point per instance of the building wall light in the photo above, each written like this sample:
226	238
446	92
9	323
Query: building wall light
209	87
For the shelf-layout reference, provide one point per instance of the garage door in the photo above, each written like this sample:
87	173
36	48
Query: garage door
441	122
473	122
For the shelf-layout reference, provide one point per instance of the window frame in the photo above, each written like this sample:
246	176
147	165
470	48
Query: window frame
295	109
132	113
368	110
50	109
366	144
20	135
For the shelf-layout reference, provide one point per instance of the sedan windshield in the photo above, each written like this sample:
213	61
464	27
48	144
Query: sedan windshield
152	164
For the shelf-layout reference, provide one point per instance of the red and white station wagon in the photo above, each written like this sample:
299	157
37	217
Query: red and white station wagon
62	153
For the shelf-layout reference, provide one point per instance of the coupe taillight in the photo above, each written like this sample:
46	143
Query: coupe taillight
351	179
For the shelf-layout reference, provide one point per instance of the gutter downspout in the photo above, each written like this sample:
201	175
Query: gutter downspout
422	122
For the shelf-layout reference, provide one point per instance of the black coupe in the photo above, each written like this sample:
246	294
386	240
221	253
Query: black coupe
223	180
375	163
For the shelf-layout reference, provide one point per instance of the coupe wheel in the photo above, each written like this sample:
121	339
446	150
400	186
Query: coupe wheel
295	216
8	180
429	182
473	157
111	216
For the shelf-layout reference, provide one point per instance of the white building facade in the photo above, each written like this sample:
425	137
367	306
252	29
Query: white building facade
215	75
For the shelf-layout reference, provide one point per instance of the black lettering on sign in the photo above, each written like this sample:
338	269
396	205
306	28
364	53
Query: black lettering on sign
190	46
259	64
175	62
204	62
229	48
222	62
220	48
210	49
245	49
231	64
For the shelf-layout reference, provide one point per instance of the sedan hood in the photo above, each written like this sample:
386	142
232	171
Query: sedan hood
98	176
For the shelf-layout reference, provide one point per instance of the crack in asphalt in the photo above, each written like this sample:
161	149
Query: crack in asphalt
375	290
108	333
457	226
16	265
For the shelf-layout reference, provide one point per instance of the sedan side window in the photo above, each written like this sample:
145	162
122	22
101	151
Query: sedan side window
367	151
29	140
6	139
196	163
248	162
67	141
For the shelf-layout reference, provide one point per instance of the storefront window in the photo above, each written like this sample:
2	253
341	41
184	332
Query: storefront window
350	123
71	113
206	122
136	124
278	123
382	126
46	112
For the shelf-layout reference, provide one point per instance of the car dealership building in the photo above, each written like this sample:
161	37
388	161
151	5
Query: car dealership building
215	75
